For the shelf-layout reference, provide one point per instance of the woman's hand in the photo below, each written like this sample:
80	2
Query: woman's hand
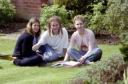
35	47
82	60
13	58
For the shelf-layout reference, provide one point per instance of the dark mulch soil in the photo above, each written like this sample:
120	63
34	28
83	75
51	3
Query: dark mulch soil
107	39
102	38
11	27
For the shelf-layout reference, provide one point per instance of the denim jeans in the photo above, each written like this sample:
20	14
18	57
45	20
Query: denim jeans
48	53
94	55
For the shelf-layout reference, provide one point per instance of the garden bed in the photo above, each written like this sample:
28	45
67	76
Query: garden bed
102	38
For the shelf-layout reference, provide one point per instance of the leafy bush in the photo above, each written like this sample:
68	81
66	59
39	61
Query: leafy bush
124	43
109	71
52	10
75	7
116	16
7	11
113	19
60	2
96	19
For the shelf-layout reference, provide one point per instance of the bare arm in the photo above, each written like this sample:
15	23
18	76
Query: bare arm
72	40
41	41
66	57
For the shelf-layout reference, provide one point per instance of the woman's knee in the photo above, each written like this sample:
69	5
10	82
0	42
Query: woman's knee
71	51
17	62
35	60
99	54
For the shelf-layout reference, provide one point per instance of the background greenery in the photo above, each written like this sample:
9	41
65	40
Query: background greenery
53	10
7	11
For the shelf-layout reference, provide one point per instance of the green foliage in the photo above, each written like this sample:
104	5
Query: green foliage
124	43
76	7
60	2
107	71
116	16
52	10
7	11
113	19
96	19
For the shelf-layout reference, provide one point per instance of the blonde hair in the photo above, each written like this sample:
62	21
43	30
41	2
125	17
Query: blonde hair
54	18
79	17
29	26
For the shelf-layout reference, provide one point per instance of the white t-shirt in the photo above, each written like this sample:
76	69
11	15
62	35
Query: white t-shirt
57	42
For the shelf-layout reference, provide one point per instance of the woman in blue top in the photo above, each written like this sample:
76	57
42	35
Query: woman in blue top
23	54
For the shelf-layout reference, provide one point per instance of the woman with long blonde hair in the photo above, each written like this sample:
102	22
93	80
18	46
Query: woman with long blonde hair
53	42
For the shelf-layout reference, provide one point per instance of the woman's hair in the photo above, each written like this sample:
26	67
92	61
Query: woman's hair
54	18
29	26
79	17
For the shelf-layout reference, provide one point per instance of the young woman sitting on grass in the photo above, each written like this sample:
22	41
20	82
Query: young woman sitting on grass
53	42
23	54
83	47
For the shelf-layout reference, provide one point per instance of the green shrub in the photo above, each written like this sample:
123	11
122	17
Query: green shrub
7	11
96	19
52	10
116	16
108	71
60	2
124	43
113	19
75	7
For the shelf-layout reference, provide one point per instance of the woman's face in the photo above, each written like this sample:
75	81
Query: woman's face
79	25
55	26
35	27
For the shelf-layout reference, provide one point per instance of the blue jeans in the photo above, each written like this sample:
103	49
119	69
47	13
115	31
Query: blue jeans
48	53
95	55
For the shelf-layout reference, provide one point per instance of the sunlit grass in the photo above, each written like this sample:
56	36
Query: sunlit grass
109	50
6	46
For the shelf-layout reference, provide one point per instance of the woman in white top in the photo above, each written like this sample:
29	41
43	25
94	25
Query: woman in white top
53	42
83	47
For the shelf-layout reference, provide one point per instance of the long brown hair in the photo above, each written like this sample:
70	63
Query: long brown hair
54	18
29	26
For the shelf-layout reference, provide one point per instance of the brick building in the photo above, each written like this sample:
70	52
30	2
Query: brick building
29	8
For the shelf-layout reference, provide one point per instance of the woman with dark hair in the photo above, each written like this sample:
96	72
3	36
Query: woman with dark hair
23	54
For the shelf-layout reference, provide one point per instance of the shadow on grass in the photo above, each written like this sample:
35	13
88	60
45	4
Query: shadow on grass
6	57
1	67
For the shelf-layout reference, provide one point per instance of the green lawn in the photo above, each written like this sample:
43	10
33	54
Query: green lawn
6	46
11	74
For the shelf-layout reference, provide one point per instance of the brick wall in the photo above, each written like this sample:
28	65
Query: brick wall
28	8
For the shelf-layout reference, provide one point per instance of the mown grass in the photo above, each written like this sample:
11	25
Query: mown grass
6	46
11	74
